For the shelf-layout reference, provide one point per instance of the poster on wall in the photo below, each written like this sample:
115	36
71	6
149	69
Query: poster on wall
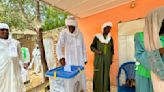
126	31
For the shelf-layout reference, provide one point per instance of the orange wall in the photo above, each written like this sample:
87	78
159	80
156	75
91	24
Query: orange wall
92	25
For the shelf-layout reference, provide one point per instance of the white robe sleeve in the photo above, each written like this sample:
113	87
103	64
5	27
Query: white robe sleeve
60	46
20	55
34	52
19	52
84	50
33	58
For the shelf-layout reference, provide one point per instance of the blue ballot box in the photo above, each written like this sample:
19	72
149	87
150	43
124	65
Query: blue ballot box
64	81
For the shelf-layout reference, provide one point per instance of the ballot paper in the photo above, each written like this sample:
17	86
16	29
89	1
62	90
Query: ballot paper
67	68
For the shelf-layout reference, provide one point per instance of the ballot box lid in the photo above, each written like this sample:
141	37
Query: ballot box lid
60	73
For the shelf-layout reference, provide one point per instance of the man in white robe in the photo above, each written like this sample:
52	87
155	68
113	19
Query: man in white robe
26	60
10	56
36	60
71	40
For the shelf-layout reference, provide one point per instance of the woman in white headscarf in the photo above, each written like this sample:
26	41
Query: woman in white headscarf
149	52
103	48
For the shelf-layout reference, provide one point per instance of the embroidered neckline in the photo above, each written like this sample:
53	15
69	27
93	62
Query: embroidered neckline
102	39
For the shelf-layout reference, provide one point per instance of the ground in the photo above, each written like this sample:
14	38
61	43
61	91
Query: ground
36	80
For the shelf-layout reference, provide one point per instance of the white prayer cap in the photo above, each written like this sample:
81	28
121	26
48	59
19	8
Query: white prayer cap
4	26
106	24
71	21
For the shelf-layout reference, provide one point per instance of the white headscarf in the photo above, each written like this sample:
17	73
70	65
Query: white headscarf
105	25
71	21
100	35
4	26
153	22
9	42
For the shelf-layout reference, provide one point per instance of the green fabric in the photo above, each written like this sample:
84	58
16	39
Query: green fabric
24	51
101	78
140	68
142	71
162	40
105	48
143	80
142	39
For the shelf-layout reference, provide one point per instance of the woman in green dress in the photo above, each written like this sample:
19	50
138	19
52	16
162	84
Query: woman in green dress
103	49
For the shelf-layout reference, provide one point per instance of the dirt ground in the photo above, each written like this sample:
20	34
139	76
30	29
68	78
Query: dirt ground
89	87
36	80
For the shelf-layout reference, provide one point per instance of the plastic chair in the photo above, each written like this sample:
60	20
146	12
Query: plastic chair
129	69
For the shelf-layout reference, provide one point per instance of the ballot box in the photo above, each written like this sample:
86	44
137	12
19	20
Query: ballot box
66	81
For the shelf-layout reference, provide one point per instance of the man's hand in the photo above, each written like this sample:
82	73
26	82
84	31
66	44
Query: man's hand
62	61
98	52
25	65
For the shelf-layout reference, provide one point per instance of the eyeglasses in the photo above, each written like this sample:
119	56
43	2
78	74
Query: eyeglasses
3	29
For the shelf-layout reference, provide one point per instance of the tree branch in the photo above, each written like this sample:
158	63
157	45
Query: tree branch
24	14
